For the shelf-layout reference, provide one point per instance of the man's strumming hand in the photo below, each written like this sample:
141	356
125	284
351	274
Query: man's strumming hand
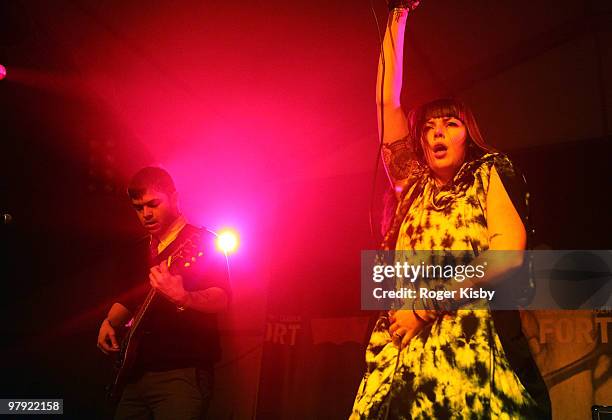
107	338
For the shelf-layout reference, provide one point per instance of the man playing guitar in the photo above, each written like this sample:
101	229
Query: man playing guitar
167	356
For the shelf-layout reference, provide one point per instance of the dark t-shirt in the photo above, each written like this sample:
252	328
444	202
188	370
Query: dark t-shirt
169	338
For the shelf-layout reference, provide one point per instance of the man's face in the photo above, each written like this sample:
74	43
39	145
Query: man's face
156	210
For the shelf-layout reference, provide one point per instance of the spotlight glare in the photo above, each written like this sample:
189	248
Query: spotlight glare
2	72
227	241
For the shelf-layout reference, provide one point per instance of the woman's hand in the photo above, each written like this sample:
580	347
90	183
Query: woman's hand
405	324
403	4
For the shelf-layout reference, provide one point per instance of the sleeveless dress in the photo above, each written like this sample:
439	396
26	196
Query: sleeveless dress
456	367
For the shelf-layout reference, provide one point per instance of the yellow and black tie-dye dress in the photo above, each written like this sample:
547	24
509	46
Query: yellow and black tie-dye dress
457	366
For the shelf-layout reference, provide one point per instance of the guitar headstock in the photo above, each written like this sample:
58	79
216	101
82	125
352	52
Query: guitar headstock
187	255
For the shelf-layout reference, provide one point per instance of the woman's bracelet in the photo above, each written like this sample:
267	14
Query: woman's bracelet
428	304
447	306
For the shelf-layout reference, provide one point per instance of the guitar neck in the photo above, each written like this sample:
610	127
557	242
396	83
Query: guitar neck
141	312
173	259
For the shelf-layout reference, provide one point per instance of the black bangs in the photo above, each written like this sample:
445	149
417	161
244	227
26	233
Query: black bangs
441	108
446	107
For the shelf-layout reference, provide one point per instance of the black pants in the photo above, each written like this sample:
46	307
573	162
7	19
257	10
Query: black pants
179	394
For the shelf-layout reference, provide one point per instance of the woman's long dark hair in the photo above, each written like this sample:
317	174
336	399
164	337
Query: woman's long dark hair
447	107
417	117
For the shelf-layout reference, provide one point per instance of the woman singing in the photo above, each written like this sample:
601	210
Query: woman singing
455	193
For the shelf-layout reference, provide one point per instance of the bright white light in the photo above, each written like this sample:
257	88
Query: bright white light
227	241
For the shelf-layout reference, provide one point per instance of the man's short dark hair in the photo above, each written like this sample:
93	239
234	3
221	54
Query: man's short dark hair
150	177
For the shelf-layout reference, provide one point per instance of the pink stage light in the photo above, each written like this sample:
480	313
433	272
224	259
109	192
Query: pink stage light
2	72
227	241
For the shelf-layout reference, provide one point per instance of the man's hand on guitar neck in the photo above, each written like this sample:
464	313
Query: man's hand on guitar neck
210	300
171	285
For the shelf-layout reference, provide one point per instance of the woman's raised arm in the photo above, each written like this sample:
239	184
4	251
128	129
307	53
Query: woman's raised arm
392	121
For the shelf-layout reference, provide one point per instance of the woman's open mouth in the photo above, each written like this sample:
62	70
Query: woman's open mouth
439	150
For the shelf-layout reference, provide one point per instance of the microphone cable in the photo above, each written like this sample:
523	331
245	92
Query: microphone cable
382	126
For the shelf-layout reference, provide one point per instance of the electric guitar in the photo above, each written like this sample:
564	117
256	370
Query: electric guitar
184	257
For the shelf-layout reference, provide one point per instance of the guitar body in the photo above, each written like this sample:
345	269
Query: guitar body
124	363
124	366
183	257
